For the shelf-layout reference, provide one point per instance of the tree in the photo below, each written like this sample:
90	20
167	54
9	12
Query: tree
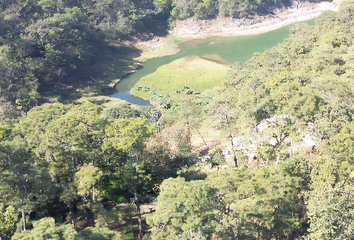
33	126
191	114
23	183
98	233
8	219
163	6
124	111
63	38
86	179
185	209
130	135
343	142
70	141
216	158
233	204
221	108
44	229
73	139
275	140
18	82
207	9
330	207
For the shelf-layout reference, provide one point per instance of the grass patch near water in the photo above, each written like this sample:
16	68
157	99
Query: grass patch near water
182	79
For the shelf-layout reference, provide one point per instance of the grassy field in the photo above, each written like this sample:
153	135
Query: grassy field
182	79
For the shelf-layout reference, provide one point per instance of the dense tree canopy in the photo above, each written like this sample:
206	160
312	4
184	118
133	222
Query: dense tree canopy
207	9
58	155
77	171
43	42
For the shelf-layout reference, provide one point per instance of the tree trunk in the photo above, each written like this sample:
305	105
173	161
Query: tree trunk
255	132
23	219
72	219
232	234
73	209
62	211
93	194
202	138
231	140
158	127
138	211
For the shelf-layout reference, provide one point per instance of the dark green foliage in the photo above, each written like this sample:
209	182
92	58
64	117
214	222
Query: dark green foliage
216	158
98	233
229	204
47	229
208	9
45	43
41	42
58	155
300	87
61	157
8	218
331	203
124	111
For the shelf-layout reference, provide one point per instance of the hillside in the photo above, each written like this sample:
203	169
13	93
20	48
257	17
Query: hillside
277	130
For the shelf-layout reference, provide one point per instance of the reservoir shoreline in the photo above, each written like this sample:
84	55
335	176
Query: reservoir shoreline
161	51
224	50
192	28
298	12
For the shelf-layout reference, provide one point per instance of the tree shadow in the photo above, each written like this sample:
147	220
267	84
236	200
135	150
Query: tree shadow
153	25
110	61
97	76
193	175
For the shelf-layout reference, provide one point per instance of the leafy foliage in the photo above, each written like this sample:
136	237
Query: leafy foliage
76	161
230	204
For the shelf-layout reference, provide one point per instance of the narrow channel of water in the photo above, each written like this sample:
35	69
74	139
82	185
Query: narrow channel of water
230	49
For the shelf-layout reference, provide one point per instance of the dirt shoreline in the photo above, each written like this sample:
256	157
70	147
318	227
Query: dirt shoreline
198	29
298	12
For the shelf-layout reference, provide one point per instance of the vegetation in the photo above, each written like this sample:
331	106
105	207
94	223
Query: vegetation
44	43
181	80
207	9
51	47
61	156
79	171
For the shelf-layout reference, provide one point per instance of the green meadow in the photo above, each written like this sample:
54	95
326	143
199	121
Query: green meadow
181	79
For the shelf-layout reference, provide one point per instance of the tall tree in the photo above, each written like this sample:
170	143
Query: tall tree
130	135
86	179
23	183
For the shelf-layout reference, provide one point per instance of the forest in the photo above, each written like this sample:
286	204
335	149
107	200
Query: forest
73	171
46	43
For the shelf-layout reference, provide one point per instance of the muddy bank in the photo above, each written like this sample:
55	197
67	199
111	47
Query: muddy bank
197	29
298	12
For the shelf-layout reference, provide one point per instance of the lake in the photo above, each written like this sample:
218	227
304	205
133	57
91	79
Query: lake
229	50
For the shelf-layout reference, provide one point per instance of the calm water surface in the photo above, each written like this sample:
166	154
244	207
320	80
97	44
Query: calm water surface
230	49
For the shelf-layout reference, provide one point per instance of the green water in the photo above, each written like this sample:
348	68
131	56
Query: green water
230	49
